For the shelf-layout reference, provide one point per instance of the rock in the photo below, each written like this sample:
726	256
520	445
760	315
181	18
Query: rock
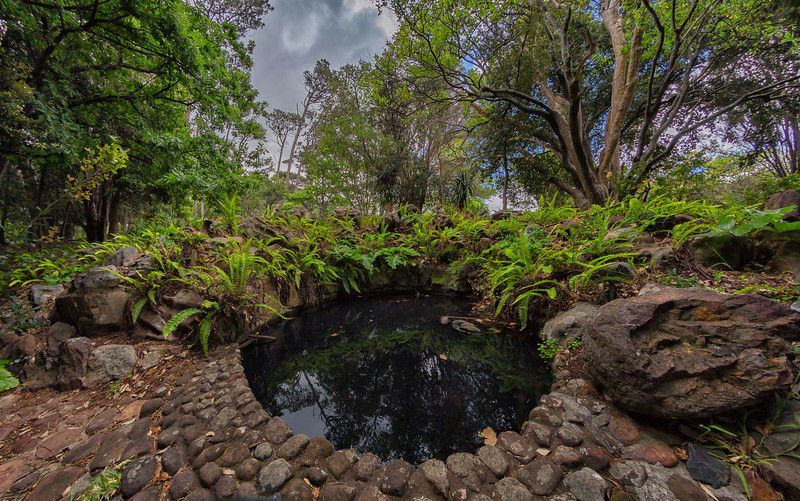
685	489
683	353
137	475
654	454
493	459
542	476
223	418
724	252
466	327
209	474
705	468
395	477
55	483
248	469
293	446
317	476
435	472
225	487
263	451
631	473
366	466
570	434
235	454
468	469
346	213
783	199
297	490
337	492
108	363
318	448
625	431
594	458
109	452
510	489
586	485
652	287
95	310
784	473
174	459
102	277
569	325
277	431
566	456
787	258
273	476
39	293
183	483
183	299
341	461
126	256
617	271
518	446
143	266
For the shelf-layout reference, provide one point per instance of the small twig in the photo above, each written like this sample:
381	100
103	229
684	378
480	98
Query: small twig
269	339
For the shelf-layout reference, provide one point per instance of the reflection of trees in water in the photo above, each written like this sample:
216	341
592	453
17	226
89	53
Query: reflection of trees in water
387	390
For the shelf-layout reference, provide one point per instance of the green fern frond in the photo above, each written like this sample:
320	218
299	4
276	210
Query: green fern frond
175	321
204	331
137	308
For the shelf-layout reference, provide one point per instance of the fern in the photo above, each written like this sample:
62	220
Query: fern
204	331
7	380
137	308
175	321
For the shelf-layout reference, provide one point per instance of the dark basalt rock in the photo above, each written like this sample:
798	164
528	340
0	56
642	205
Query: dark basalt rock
681	353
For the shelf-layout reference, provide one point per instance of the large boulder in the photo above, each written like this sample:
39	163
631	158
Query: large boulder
96	302
682	353
783	199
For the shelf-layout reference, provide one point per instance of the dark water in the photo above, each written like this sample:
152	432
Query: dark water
385	376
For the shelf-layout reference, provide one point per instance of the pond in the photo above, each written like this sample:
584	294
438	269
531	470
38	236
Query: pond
387	376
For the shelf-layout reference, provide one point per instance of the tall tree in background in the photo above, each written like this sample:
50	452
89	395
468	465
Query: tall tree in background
282	123
610	88
161	79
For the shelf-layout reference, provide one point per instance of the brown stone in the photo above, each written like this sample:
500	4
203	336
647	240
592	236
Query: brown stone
653	454
517	445
12	471
318	448
109	452
293	446
685	489
686	353
341	461
337	492
297	490
277	431
395	477
624	431
57	442
55	484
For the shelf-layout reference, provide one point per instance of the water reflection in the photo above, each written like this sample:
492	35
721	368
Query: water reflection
387	377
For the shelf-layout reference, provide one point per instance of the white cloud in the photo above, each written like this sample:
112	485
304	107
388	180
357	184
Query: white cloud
301	37
356	6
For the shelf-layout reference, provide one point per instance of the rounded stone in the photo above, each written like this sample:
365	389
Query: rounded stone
493	459
276	431
137	475
586	485
150	406
654	453
235	454
225	486
624	431
293	446
510	489
273	476
566	456
210	473
542	476
263	451
366	466
517	445
183	483
298	490
570	434
317	476
248	469
247	491
684	489
395	477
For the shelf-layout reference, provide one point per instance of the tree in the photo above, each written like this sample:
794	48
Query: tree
281	123
77	76
610	88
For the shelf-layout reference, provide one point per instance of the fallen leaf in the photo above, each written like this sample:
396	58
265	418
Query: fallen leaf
210	434
443	356
489	436
708	491
542	451
334	334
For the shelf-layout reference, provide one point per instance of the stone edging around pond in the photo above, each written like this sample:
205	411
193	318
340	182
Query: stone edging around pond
216	441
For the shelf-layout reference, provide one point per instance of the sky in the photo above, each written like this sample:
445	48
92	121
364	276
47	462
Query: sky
300	32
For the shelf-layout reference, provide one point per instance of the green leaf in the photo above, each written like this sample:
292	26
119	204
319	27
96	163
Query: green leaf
7	380
137	308
175	321
204	331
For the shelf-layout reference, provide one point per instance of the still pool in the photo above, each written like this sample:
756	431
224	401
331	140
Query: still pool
387	376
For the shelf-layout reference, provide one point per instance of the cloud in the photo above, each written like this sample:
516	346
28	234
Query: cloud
300	32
